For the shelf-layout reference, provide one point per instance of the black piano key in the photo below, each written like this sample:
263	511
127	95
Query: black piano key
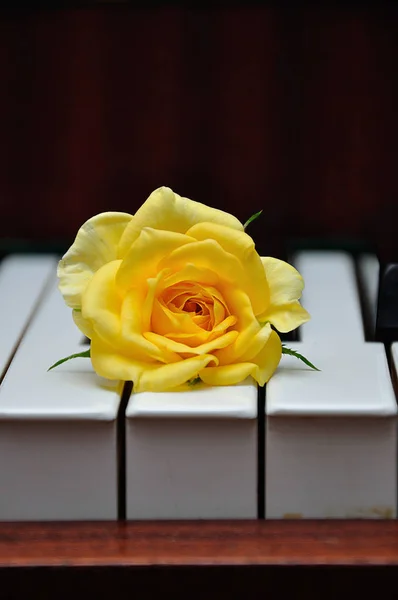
367	273
387	305
290	336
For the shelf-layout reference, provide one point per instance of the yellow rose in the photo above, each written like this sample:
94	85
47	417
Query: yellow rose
177	292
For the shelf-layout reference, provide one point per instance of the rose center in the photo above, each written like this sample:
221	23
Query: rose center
198	306
187	309
193	306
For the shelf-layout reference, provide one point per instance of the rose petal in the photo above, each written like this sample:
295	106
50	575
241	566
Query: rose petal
219	311
285	282
227	375
165	321
236	242
168	211
150	298
168	377
118	322
192	274
268	359
261	369
178	347
286	285
247	325
256	344
222	326
83	324
203	321
101	305
141	261
193	340
241	245
208	254
95	245
287	316
111	364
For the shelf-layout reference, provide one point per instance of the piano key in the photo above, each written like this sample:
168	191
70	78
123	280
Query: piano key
387	313
331	438
330	285
380	287
192	454
22	280
58	435
394	361
368	271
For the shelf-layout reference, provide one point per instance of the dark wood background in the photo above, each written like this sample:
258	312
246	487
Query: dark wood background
241	106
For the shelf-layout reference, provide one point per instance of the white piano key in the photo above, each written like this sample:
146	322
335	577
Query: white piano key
58	446
352	382
192	454
331	297
331	468
22	280
331	435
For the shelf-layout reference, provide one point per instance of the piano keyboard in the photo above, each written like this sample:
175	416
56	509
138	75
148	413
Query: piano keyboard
74	447
331	437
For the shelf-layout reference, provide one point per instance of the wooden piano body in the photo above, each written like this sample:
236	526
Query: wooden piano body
243	108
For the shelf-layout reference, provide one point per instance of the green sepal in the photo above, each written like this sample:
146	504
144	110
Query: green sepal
252	218
85	354
194	381
299	356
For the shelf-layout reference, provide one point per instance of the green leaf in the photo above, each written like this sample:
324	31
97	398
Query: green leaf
85	354
252	218
194	381
299	356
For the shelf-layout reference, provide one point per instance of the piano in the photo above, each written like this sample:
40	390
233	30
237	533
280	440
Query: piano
95	475
288	491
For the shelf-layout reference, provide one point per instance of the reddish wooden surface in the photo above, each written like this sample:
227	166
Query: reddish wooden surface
233	560
189	544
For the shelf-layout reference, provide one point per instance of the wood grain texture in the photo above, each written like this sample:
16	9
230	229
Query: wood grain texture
277	559
243	106
229	543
